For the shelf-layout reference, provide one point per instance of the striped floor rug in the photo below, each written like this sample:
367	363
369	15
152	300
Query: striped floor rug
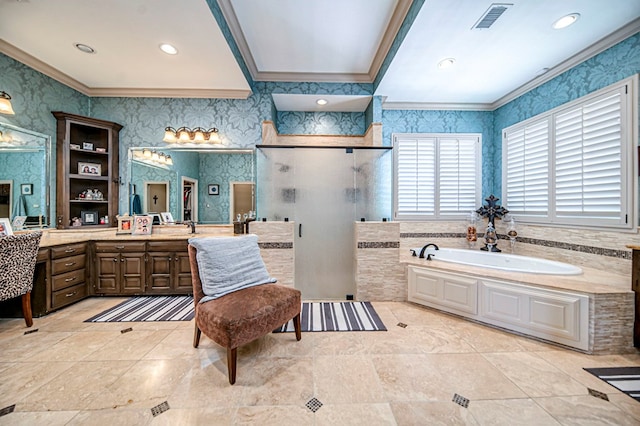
625	379
337	316
149	308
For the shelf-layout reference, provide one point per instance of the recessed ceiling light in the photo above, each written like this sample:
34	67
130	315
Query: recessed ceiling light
446	63
168	49
84	48
565	21
322	101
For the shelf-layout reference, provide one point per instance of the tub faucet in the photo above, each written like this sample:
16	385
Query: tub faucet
428	254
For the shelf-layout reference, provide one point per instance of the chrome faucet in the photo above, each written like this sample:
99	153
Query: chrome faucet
192	224
428	254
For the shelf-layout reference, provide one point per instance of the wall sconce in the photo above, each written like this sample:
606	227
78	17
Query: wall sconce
153	157
5	104
197	135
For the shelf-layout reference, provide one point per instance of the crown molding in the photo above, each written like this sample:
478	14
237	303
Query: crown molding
395	23
46	69
305	77
236	32
598	47
434	106
123	92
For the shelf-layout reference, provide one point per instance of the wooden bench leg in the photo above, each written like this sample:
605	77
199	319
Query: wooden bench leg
196	336
232	357
26	309
296	326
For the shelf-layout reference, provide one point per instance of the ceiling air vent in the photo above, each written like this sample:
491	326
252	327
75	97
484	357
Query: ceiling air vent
491	15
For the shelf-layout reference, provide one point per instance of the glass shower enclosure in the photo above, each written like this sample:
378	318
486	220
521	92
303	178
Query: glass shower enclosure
324	190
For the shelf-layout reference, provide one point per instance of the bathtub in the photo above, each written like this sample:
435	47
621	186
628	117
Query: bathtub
505	262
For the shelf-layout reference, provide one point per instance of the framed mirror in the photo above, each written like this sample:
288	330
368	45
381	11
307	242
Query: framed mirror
206	185
25	177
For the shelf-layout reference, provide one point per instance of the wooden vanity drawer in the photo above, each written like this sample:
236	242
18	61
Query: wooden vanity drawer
68	279
167	245
68	295
120	246
68	250
71	263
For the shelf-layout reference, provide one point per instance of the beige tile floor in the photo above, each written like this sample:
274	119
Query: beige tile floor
75	373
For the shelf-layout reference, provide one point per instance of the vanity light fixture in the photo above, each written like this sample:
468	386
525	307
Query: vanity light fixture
446	63
168	49
185	135
153	157
5	104
565	21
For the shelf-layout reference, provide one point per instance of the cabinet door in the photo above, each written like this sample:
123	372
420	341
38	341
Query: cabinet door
160	266
132	273
107	273
182	267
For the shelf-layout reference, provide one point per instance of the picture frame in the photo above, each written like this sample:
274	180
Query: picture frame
125	225
87	146
89	217
18	222
26	188
5	227
89	169
74	146
142	225
167	217
213	189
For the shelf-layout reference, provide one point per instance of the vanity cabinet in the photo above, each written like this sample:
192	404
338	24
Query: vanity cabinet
120	267
87	171
169	271
68	275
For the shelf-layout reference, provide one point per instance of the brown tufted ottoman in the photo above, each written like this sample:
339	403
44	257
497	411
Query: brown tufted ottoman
240	317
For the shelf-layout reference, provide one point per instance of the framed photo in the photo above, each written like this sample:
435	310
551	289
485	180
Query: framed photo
87	145
89	217
26	188
18	222
167	217
101	149
5	227
91	169
125	225
142	225
214	189
74	146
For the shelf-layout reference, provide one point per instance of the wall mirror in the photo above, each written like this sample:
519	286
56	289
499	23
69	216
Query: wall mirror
25	177
206	185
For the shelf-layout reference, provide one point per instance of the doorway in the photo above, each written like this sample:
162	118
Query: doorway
189	199
156	196
241	199
6	198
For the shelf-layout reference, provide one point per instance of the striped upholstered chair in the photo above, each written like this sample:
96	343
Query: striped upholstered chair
18	255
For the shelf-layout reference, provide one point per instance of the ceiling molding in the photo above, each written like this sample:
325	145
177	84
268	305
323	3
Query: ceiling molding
30	61
46	69
397	18
234	26
395	23
600	46
124	92
434	106
305	77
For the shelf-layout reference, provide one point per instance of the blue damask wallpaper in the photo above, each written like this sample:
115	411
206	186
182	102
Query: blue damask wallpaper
25	167
610	66
320	123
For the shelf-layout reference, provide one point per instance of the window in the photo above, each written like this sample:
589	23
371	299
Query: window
573	165
436	175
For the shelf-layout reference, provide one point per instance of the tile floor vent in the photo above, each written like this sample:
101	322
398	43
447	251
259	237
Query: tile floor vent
7	410
598	394
126	330
402	325
491	15
31	331
460	400
160	408
314	404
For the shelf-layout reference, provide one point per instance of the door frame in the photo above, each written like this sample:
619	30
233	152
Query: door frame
194	197
146	195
